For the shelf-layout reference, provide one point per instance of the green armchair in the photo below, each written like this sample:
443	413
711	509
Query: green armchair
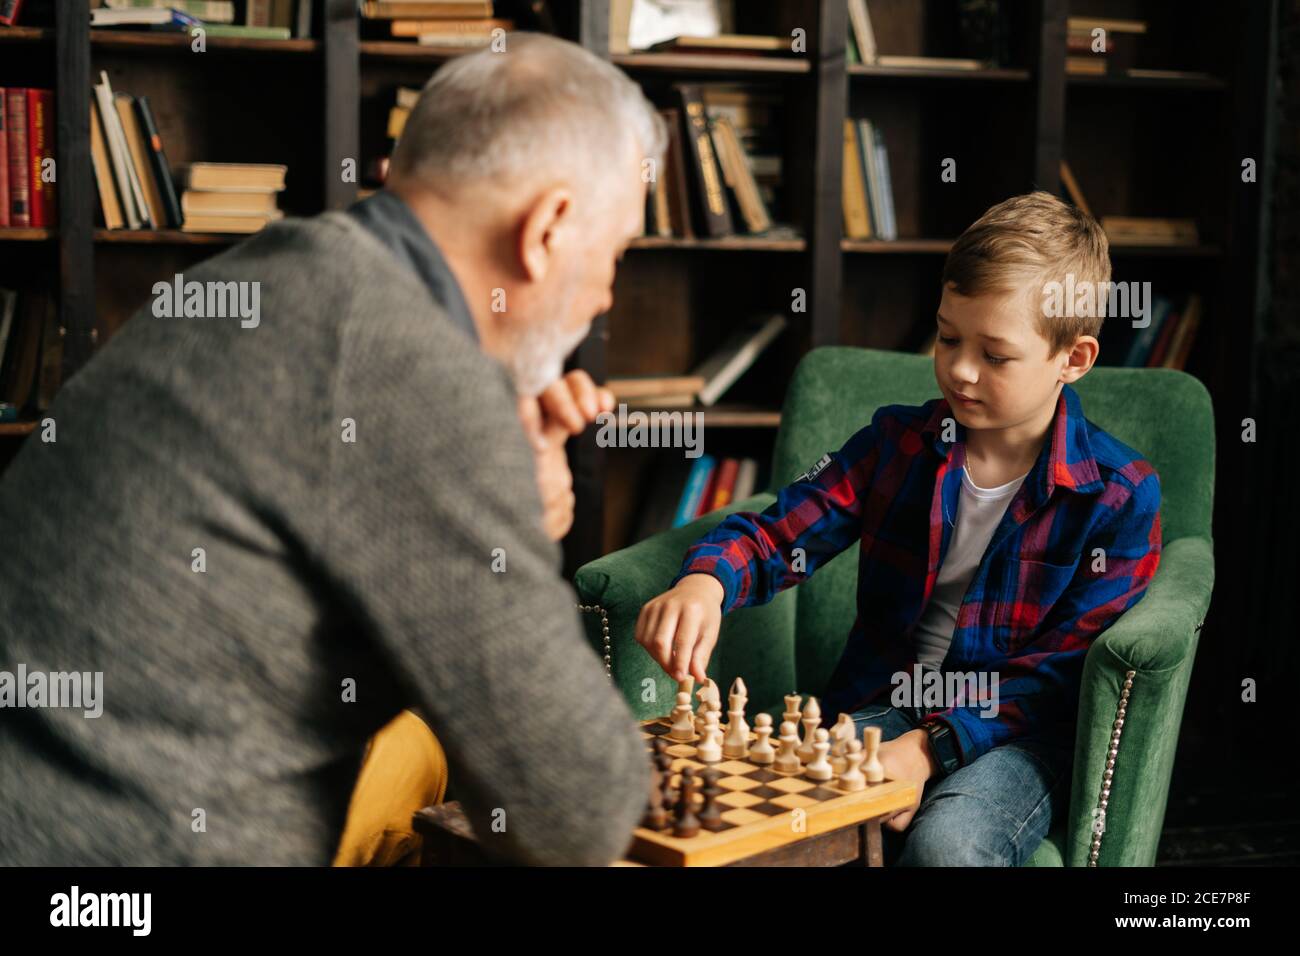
1135	674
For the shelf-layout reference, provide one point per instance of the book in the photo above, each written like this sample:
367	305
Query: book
459	41
201	203
675	178
9	10
746	479
1144	341
1110	25
209	11
40	147
736	174
131	17
18	374
397	117
302	26
1085	66
20	194
1072	188
664	492
241	32
162	173
407	97
889	230
871	174
857	220
235	177
228	224
141	167
8	306
424	9
722	43
474	27
705	503
644	386
693	490
659	215
861	33
929	63
4	160
725	485
1137	231
257	13
109	204
1180	347
118	154
721	369
706	177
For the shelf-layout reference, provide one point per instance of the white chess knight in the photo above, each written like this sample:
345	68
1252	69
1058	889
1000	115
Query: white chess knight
736	744
710	699
812	718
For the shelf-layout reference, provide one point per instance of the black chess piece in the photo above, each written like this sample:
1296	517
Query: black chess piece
656	816
711	813
686	823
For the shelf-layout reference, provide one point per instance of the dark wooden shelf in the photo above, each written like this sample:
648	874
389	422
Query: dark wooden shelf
16	234
710	63
897	246
26	35
1190	82
731	243
1168	252
889	73
17	429
177	42
723	415
168	237
409	51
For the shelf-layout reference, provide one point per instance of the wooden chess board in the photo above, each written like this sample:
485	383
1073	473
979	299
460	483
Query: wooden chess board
759	808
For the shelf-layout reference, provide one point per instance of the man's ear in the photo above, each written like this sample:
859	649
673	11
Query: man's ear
547	216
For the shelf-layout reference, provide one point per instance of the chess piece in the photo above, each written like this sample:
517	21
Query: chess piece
709	749
793	703
711	813
683	728
762	752
852	779
812	718
707	692
656	817
685	822
787	758
736	744
820	768
872	769
841	734
686	686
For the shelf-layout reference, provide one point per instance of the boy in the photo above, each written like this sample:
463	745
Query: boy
1000	533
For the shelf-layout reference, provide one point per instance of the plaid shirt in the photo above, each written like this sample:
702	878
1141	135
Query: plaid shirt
1077	546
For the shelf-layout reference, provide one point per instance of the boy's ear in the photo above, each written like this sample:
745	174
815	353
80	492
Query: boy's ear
1080	358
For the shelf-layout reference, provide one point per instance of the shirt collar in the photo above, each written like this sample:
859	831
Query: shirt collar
1066	460
387	216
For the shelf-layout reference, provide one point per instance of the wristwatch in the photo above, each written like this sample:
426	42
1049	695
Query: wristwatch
943	746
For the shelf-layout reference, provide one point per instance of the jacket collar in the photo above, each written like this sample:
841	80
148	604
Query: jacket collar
1066	460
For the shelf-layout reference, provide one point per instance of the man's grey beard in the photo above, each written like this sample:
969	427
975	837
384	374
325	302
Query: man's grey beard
539	355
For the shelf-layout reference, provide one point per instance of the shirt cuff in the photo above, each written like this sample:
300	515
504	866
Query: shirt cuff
720	570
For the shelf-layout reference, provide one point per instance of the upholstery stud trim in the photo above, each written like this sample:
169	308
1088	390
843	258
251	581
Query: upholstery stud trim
1103	801
604	630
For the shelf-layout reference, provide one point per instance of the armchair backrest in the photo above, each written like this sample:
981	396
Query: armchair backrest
1164	414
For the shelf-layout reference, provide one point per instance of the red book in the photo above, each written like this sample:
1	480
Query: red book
40	147
4	162
20	197
706	499
726	484
9	14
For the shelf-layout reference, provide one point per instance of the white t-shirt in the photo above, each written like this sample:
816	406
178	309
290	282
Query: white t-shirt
979	511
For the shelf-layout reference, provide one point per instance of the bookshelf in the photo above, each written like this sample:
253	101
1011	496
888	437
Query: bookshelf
313	103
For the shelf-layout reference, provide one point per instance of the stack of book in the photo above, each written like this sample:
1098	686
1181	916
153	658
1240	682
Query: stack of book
868	200
707	382
1150	231
440	23
726	44
722	172
132	177
31	352
27	158
263	19
231	197
1098	46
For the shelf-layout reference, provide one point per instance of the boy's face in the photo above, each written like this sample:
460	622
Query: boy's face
992	364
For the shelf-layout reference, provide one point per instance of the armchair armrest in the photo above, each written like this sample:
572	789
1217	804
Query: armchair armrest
1130	707
612	590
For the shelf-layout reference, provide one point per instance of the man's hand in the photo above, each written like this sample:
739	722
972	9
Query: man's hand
680	627
565	408
907	757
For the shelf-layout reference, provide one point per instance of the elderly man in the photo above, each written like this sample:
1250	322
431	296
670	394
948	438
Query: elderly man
273	537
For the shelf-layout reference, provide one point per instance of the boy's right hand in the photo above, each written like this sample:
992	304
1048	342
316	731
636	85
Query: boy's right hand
680	627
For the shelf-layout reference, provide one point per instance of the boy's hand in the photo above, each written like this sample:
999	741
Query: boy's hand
907	758
680	627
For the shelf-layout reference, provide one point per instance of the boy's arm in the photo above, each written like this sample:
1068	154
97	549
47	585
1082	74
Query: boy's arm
1039	686
755	556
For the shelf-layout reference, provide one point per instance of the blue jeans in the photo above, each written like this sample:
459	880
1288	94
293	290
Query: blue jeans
993	812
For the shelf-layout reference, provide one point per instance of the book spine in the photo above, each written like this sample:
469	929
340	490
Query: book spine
886	188
258	13
116	142
705	503
866	156
20	196
4	165
716	217
40	147
9	10
693	490
158	160
1145	340
726	485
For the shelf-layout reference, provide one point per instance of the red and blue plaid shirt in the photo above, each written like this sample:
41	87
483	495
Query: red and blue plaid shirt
1077	546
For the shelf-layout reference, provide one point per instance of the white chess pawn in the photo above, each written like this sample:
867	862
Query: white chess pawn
820	768
812	718
787	759
709	750
683	727
873	770
852	779
762	752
